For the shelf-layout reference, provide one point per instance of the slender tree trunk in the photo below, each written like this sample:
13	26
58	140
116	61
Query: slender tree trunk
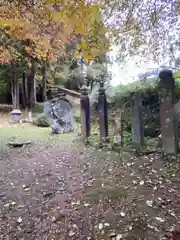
17	95
24	91
14	89
16	113
30	87
35	99
13	86
44	82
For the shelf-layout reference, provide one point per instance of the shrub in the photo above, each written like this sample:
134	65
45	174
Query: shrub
42	121
38	108
5	108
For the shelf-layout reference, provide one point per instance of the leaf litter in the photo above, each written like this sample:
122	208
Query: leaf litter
81	193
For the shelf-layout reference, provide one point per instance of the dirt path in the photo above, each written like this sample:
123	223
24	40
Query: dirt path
70	192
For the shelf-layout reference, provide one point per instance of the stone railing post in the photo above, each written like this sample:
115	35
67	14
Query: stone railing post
103	113
85	113
118	130
167	115
137	121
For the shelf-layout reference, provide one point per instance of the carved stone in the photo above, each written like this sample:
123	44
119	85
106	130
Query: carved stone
168	119
137	121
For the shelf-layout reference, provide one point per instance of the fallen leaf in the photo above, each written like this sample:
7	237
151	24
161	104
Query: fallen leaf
130	228
112	234
119	236
19	220
48	194
71	233
160	219
74	226
149	203
153	227
106	224
134	182
122	214
102	232
7	205
27	189
100	226
141	183
86	204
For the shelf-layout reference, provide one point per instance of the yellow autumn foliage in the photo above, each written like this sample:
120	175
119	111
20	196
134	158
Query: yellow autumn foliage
51	24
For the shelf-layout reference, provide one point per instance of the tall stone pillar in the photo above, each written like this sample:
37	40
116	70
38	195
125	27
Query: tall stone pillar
103	113
137	121
85	113
168	121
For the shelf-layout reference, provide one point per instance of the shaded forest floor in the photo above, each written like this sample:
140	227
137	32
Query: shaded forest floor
55	188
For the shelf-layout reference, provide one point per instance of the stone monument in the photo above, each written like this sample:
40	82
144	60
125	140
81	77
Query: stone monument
168	120
16	116
137	121
60	111
103	113
85	113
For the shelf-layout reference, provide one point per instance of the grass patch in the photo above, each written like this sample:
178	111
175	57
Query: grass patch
94	139
30	132
151	142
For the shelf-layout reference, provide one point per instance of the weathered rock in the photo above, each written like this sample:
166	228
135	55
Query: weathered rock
18	143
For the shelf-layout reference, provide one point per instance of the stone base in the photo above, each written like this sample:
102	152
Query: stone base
16	116
59	127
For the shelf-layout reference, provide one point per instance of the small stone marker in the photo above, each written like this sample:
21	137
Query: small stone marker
16	116
118	126
103	113
168	121
137	121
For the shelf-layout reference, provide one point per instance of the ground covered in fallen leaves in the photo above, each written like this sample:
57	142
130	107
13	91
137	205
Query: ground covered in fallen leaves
57	189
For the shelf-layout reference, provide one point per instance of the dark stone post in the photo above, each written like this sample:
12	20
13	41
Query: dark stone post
85	113
103	113
167	115
137	121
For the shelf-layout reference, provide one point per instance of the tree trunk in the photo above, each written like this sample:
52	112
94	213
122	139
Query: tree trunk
44	82
14	89
35	99
30	87
16	113
13	86
17	95
24	91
